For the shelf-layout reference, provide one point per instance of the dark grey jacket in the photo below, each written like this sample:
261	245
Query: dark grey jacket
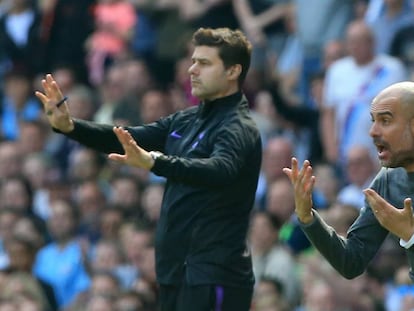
351	255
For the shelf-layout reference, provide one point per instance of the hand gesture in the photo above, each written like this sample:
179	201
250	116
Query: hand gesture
397	221
134	154
303	182
55	106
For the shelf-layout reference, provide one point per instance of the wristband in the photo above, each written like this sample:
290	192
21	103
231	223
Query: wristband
155	154
60	103
407	244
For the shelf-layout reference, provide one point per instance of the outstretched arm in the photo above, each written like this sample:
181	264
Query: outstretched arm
57	113
349	255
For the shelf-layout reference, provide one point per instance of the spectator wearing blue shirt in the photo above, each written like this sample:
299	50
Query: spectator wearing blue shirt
60	263
17	104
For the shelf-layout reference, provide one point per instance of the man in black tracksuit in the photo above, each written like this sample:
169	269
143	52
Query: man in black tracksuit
211	156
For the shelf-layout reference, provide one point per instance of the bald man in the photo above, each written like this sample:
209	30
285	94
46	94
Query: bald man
388	205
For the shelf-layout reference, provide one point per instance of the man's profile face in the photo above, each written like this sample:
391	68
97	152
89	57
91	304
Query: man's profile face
392	133
209	79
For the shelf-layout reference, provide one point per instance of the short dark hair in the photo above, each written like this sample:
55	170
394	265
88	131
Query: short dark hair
233	47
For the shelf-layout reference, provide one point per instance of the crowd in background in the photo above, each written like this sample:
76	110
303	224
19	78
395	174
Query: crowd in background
76	230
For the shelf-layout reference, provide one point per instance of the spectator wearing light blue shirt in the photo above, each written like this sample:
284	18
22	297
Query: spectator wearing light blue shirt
60	263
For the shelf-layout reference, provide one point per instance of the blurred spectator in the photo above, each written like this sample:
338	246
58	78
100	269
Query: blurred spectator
172	34
360	170
40	171
100	303
267	296
136	80
26	293
8	219
17	193
109	257
91	200
135	241
290	58
305	117
138	77
10	160
263	23
400	293
8	305
269	254
320	297
85	164
33	136
341	216
332	51
392	16
130	300
17	103
66	23
151	200
146	284
66	76
327	185
4	6
110	221
22	254
180	89
277	154
265	115
281	204
126	195
104	283
280	201
112	92
360	9
350	85
28	228
19	37
154	105
144	37
110	40
402	47
82	101
332	18
213	13
60	263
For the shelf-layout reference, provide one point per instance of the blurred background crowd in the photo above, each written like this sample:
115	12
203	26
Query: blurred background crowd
76	230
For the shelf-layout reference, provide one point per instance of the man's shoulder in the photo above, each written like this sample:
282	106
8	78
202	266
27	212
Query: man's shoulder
387	176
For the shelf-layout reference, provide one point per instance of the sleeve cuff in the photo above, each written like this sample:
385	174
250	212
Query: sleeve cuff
305	225
407	244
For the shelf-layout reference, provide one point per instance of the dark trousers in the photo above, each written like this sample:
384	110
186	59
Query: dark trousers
204	298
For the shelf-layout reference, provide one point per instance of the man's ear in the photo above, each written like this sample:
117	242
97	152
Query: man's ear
234	72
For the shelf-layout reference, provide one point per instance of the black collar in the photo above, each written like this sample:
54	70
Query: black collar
207	105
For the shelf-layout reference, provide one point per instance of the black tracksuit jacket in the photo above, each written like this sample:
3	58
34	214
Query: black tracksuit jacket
212	157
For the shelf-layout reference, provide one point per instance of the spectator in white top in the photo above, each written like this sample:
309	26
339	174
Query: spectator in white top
350	85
